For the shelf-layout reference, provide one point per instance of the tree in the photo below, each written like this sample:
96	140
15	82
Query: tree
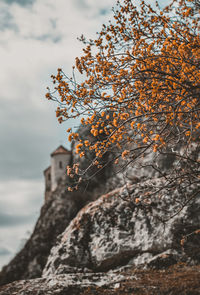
140	90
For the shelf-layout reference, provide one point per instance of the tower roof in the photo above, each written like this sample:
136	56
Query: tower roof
60	150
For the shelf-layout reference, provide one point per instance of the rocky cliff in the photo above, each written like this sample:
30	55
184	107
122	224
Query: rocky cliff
115	231
102	237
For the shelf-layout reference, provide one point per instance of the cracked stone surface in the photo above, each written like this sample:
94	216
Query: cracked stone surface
114	231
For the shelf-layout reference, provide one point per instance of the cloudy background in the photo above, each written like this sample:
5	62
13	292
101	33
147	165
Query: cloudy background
36	37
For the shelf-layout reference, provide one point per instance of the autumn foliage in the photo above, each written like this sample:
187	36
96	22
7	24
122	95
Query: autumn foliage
140	88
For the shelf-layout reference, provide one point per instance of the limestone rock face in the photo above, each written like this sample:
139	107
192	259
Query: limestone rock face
122	229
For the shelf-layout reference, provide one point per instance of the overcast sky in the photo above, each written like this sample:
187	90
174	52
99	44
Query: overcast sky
36	37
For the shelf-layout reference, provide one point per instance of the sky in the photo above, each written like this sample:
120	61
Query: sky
36	38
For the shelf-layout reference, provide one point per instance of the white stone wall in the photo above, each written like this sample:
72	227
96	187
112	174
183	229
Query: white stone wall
58	168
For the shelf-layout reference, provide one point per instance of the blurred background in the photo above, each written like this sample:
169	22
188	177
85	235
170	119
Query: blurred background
36	37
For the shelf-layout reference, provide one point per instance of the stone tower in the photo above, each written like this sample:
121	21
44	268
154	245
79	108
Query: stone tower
60	158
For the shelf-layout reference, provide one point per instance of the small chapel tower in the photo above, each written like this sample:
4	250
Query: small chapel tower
60	158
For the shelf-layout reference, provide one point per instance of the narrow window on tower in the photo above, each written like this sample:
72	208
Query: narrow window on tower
60	165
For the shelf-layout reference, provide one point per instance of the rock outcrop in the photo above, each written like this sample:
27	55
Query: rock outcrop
121	228
100	248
